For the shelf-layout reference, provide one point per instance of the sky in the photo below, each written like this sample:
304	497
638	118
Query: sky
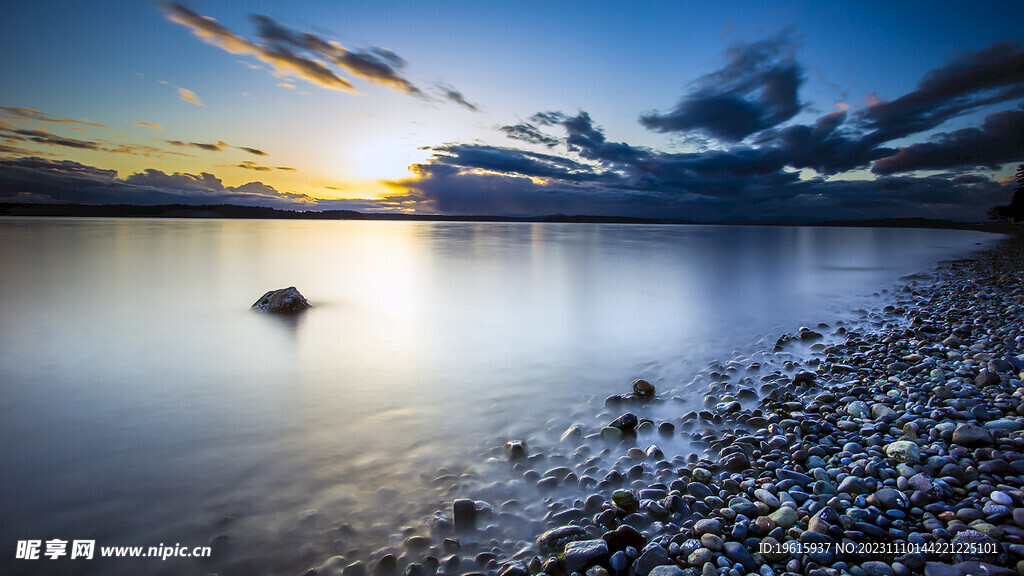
687	110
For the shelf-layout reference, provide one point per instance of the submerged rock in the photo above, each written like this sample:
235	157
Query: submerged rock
643	389
282	301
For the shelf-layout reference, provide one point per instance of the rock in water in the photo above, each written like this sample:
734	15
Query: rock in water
283	301
515	450
643	389
464	512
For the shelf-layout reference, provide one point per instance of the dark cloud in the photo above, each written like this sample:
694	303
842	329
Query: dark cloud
455	96
529	133
218	146
45	137
377	65
36	115
254	151
756	90
985	77
248	165
999	140
42	180
498	181
522	162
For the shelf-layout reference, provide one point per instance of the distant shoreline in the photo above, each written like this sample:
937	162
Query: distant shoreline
231	211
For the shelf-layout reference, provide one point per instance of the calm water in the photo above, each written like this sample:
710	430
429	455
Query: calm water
144	403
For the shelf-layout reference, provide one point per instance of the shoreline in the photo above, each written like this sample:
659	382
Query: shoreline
895	450
234	212
899	453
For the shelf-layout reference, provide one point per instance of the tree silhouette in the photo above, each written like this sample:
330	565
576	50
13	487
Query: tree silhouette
1016	208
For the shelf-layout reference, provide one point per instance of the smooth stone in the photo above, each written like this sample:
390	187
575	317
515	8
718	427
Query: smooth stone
653	555
643	389
698	490
581	553
625	422
853	485
557	538
876	568
784	517
972	436
626	500
666	571
738	553
904	451
707	526
767	497
701	475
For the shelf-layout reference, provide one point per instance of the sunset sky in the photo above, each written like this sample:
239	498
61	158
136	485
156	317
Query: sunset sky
690	110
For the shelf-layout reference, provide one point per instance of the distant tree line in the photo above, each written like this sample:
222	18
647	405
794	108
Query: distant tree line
1014	211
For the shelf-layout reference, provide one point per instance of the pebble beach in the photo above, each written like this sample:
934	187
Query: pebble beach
892	445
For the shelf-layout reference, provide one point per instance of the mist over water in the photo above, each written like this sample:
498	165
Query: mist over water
144	403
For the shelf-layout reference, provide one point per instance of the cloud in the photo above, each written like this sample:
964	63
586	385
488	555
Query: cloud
249	165
475	179
377	65
36	115
305	55
999	140
756	90
529	133
455	96
148	125
989	76
189	96
45	137
40	180
753	177
283	61
218	146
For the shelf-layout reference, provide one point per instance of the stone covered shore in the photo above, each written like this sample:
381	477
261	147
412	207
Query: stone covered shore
893	446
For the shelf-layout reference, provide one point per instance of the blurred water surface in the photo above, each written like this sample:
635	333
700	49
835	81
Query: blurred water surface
143	402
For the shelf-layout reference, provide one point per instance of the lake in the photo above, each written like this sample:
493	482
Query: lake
144	403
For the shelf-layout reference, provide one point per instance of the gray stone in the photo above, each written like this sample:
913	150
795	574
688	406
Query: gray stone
767	497
666	571
625	500
853	485
971	436
858	409
556	538
785	517
707	526
904	451
582	553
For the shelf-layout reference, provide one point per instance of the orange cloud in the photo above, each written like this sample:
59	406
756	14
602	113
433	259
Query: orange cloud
148	125
189	96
